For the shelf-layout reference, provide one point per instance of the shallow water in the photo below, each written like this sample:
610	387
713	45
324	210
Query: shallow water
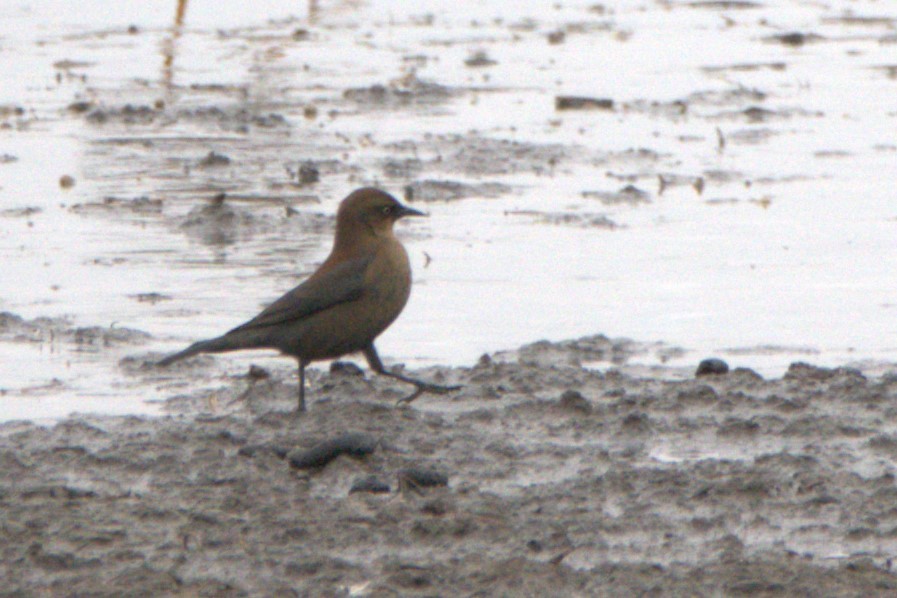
763	231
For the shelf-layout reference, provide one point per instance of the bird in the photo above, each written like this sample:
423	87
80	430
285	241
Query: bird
356	293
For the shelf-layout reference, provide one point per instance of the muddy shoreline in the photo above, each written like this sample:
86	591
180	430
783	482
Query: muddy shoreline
562	479
693	171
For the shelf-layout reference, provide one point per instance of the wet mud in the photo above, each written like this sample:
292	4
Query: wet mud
220	152
539	477
205	181
48	331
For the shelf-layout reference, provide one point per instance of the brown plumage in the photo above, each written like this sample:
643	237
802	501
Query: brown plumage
359	290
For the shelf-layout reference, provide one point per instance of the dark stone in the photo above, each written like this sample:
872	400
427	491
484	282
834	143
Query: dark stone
353	444
712	366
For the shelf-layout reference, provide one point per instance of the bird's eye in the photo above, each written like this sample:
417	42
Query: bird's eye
387	210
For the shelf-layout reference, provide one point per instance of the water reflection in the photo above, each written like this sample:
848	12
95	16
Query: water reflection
170	43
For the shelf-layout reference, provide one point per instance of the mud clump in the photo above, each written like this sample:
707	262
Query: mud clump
476	155
308	174
575	219
213	160
479	59
400	93
628	195
318	456
432	190
582	103
228	118
44	330
127	114
113	206
794	39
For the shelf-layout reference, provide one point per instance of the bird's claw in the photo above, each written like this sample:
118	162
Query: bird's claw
422	387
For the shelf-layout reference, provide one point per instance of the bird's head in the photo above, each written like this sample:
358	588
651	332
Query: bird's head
371	210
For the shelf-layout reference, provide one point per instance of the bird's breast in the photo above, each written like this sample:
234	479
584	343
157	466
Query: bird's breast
353	325
388	281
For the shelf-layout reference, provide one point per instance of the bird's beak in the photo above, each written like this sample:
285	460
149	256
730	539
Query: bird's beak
406	211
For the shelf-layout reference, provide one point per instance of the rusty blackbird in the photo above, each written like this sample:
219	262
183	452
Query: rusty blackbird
358	291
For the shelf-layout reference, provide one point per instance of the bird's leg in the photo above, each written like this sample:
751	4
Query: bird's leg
302	365
370	353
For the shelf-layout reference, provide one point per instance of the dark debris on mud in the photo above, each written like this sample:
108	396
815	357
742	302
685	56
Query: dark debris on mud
400	93
236	119
579	219
43	330
540	477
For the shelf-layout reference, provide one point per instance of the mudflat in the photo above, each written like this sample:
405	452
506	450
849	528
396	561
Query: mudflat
541	477
707	173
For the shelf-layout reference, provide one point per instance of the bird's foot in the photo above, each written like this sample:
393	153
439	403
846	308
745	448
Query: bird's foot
422	387
419	385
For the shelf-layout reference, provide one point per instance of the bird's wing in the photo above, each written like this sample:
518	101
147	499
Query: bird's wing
340	284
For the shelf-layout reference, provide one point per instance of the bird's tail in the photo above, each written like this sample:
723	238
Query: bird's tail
215	345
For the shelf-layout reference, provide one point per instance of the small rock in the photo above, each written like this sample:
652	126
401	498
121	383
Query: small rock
308	174
534	546
66	181
574	401
711	366
557	37
257	372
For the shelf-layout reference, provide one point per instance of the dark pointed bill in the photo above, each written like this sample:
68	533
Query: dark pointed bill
406	211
